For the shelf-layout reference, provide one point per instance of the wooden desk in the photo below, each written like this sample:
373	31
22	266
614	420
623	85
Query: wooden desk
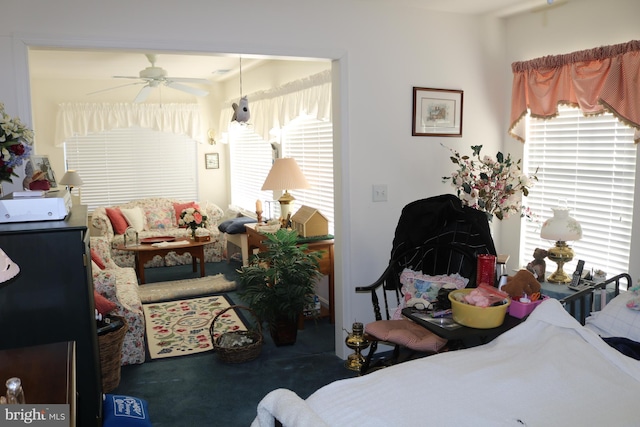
254	241
47	372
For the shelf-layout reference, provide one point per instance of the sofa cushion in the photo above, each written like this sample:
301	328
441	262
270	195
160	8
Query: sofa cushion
118	221
179	207
135	217
235	225
159	219
103	305
95	257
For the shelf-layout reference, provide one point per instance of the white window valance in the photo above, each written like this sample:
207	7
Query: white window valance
80	119
276	107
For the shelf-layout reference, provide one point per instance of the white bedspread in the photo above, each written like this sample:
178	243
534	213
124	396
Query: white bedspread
548	371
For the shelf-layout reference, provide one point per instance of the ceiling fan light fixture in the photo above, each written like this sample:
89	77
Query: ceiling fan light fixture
152	77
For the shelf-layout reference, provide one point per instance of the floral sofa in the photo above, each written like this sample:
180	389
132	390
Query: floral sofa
154	217
120	286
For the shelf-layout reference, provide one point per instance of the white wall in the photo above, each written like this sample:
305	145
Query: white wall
574	26
379	54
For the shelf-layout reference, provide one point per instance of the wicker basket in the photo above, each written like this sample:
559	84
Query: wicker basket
242	353
111	355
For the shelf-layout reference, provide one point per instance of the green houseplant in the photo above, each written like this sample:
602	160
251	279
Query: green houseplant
278	283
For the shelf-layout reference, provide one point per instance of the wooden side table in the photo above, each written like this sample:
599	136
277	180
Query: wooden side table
146	252
254	241
47	372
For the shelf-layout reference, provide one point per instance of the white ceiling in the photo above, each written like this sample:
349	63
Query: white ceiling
67	64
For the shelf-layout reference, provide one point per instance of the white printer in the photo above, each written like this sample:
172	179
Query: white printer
27	206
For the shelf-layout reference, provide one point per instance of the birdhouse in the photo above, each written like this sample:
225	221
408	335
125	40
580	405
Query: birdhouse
309	222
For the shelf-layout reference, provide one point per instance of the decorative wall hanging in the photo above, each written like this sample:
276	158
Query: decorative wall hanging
437	112
212	161
241	112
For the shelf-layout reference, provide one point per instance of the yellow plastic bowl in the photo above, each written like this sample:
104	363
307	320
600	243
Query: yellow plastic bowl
477	317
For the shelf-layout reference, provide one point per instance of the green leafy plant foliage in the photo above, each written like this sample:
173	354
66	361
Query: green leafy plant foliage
280	280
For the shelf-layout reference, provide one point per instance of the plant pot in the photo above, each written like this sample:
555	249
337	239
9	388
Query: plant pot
284	331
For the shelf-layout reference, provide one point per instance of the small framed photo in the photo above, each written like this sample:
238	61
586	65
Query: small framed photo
437	112
212	161
41	164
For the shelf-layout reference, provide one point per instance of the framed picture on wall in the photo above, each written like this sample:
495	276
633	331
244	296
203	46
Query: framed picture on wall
212	161
41	163
437	112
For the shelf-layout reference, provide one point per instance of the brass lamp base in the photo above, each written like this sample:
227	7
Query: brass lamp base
561	254
286	200
354	361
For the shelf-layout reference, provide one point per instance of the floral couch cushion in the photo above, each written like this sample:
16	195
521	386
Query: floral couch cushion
120	286
160	220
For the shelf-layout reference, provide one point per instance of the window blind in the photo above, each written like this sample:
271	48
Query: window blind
121	165
249	164
589	162
310	142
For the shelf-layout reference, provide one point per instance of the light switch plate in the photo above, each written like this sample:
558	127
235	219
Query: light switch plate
379	192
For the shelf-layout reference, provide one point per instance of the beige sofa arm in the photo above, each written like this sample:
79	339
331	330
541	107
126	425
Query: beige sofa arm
214	215
100	221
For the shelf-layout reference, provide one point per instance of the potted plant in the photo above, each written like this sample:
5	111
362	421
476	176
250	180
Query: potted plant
279	282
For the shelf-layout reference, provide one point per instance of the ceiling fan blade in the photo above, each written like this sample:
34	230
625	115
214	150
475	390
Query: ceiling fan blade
143	94
115	87
548	6
187	89
189	80
126	77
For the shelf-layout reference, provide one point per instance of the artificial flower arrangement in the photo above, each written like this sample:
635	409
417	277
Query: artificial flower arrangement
193	219
16	142
494	186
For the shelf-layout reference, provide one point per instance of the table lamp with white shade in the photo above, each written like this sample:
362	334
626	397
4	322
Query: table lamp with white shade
561	228
285	174
71	179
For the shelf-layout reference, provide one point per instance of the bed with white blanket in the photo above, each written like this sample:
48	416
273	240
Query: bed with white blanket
548	371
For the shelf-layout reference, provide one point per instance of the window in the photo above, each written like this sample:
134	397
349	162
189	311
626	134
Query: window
590	163
309	141
121	165
249	164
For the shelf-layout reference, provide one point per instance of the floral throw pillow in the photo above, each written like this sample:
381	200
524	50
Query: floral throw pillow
159	218
422	289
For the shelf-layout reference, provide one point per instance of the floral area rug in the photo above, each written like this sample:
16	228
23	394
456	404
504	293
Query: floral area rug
179	328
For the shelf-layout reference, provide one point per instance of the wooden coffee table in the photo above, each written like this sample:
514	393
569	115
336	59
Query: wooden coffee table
146	252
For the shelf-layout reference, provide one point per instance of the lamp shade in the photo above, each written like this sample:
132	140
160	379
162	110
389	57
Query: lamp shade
71	178
285	174
561	227
8	268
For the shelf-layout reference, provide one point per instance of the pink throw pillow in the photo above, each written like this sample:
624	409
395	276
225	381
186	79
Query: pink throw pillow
406	333
179	207
118	221
96	258
103	305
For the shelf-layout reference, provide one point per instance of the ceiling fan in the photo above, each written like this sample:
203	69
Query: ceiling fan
152	77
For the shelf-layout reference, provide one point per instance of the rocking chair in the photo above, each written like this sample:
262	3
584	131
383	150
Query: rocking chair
435	236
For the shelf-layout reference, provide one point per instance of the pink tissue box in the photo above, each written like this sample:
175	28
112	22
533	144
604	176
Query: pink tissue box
520	310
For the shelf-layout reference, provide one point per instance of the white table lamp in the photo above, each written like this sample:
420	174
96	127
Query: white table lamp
561	228
285	174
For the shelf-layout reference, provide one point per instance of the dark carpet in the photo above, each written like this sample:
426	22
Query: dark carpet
199	390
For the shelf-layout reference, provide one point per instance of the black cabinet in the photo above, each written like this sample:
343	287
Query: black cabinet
51	300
